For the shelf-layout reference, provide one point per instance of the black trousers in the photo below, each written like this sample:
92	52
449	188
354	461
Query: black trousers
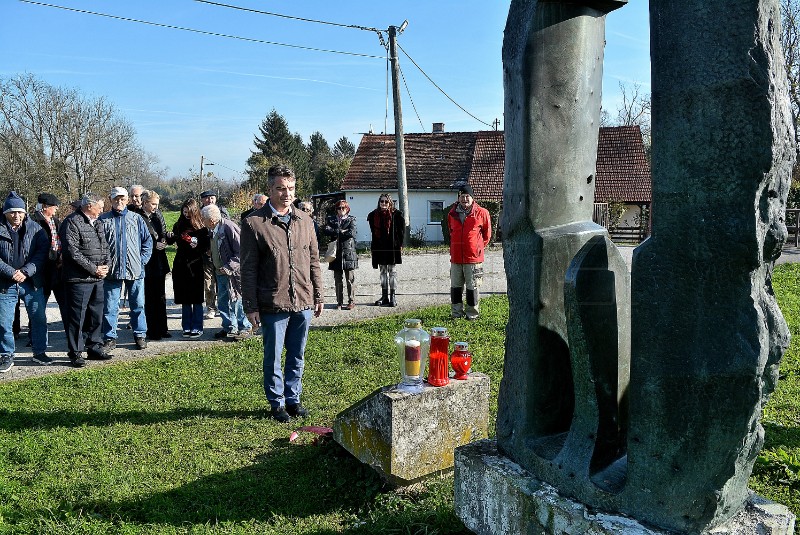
83	305
155	306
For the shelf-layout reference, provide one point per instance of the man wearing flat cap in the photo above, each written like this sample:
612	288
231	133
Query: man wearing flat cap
470	231
45	215
23	251
209	273
129	249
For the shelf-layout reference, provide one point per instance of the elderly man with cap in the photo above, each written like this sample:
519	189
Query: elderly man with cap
23	251
129	249
85	265
207	198
470	231
45	215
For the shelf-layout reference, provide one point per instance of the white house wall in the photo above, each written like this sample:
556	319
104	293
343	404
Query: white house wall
362	202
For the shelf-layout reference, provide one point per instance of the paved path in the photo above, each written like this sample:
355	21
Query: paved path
424	281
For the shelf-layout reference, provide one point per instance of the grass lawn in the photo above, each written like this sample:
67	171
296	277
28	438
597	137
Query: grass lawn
181	444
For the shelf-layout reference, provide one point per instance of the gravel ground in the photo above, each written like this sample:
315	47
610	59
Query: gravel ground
424	280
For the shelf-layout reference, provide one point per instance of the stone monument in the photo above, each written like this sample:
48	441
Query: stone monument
642	396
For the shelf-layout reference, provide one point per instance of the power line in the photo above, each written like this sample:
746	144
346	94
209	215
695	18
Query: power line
353	26
439	88
405	83
203	32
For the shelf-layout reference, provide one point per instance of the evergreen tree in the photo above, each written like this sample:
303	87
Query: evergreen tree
275	145
344	149
319	152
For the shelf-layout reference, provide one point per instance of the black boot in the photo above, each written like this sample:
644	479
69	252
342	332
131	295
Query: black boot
384	300
392	300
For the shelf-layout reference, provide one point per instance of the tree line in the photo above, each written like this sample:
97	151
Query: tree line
318	167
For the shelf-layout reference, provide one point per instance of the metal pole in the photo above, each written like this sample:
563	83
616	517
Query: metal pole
402	186
201	174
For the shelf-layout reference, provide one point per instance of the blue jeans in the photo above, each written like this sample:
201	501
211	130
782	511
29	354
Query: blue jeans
230	309
111	293
192	317
35	305
289	329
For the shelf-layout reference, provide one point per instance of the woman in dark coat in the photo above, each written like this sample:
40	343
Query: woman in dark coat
387	226
156	269
192	242
342	228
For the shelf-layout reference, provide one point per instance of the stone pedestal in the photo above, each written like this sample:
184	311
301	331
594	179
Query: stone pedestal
406	437
494	496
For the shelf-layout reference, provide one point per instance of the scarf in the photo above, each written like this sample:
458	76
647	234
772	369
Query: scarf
385	221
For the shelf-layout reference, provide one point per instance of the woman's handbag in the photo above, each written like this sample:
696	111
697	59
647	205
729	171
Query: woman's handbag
330	253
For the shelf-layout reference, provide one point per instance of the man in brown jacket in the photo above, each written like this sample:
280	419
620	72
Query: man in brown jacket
281	288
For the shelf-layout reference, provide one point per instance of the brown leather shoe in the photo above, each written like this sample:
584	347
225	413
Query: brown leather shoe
350	306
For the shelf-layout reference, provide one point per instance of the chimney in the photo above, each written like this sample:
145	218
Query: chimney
438	128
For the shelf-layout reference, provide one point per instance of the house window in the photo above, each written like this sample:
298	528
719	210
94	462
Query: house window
435	212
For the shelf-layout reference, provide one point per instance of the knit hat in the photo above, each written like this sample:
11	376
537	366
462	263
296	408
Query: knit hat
466	188
14	203
48	199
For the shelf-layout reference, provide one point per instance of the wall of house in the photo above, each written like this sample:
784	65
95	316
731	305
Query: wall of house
363	202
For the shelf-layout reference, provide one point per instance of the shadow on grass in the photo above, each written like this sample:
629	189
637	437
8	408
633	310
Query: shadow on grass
291	481
21	420
778	435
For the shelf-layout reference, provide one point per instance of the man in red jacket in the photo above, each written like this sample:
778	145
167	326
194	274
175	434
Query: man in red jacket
470	232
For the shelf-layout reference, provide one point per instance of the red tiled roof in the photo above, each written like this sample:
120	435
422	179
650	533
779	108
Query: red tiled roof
623	172
440	160
433	161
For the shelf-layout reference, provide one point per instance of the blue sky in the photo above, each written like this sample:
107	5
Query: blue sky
189	94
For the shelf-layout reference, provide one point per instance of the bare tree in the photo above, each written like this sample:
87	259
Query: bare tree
635	110
790	40
55	139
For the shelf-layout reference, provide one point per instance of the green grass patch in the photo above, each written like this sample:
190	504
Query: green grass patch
171	217
182	444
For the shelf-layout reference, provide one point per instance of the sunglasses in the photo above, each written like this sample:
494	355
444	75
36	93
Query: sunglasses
341	207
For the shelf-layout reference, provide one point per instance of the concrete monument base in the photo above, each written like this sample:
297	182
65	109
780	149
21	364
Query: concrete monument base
494	496
408	436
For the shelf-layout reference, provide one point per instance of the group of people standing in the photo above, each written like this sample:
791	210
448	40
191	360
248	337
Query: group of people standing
470	232
266	271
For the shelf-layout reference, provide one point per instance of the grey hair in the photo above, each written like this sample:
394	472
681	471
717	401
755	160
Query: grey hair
137	186
91	198
257	196
211	212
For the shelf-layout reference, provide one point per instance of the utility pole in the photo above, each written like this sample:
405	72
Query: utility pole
402	186
201	174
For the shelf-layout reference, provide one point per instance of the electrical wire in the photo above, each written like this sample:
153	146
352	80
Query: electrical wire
203	32
439	88
249	10
408	91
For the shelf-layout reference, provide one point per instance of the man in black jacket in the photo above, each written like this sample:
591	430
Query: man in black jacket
85	256
23	250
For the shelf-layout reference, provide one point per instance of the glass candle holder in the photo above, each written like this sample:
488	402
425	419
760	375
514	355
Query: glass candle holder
461	360
413	345
438	367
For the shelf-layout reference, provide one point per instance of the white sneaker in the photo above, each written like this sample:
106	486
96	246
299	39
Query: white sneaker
210	314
